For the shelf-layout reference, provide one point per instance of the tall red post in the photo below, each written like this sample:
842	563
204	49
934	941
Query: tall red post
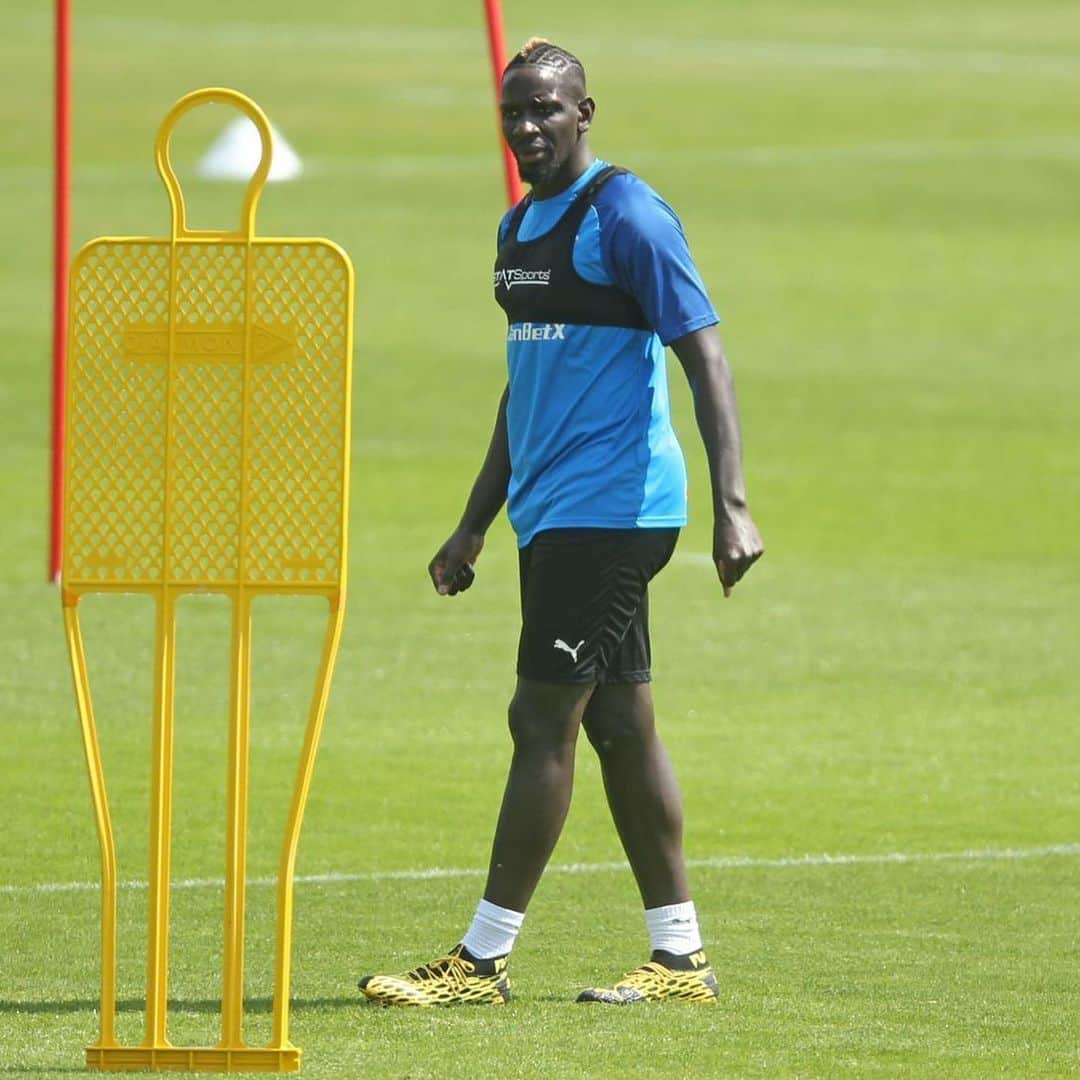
497	48
61	246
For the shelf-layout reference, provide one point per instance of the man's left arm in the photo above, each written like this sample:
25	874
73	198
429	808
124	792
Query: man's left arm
736	541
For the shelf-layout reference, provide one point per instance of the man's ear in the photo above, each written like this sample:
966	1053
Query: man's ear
586	112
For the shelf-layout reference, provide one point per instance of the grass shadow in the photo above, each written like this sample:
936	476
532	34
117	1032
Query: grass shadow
255	1006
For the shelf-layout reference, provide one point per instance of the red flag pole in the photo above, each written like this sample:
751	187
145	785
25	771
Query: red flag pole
61	234
497	47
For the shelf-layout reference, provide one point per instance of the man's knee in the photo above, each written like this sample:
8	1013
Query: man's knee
620	718
544	715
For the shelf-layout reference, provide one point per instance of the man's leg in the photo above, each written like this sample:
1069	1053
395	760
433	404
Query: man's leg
647	808
544	722
641	789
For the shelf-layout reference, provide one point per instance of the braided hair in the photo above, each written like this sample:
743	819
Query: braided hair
542	53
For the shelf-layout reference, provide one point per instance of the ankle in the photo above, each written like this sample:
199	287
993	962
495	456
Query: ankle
692	961
673	928
493	931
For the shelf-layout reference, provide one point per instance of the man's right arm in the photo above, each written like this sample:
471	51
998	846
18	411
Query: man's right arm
452	568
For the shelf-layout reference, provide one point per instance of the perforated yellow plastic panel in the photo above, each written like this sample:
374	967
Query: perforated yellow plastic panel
207	447
207	450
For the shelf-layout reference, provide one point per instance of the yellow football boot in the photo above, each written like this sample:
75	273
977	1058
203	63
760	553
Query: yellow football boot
659	981
454	979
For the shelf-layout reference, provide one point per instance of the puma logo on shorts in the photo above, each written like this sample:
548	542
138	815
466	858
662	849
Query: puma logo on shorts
560	644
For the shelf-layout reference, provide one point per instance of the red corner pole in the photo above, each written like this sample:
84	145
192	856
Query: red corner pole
61	233
496	42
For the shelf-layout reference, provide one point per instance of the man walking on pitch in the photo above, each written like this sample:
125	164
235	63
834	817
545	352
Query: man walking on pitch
595	277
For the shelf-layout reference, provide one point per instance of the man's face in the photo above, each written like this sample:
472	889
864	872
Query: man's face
545	113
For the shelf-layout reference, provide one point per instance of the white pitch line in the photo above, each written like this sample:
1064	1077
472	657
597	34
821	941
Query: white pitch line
717	862
404	166
854	56
397	166
1019	147
382	39
269	35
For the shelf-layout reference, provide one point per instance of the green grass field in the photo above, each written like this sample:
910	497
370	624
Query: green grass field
882	198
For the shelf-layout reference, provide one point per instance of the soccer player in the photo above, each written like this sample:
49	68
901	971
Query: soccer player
595	276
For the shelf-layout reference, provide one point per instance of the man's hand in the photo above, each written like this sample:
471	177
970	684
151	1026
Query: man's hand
452	568
736	547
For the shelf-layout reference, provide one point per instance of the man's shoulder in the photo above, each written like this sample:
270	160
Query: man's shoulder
628	182
626	196
628	206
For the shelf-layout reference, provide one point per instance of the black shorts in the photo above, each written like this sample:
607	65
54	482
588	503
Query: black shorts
585	603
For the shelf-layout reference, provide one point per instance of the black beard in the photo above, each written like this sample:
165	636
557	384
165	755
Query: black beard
536	172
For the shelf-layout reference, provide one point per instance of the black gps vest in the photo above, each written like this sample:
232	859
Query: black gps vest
535	280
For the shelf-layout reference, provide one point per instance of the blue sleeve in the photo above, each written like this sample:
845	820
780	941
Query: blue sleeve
646	252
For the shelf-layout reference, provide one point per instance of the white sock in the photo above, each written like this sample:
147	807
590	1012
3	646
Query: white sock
493	931
674	928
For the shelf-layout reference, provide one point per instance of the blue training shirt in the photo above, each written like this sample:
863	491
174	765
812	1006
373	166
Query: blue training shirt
588	414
